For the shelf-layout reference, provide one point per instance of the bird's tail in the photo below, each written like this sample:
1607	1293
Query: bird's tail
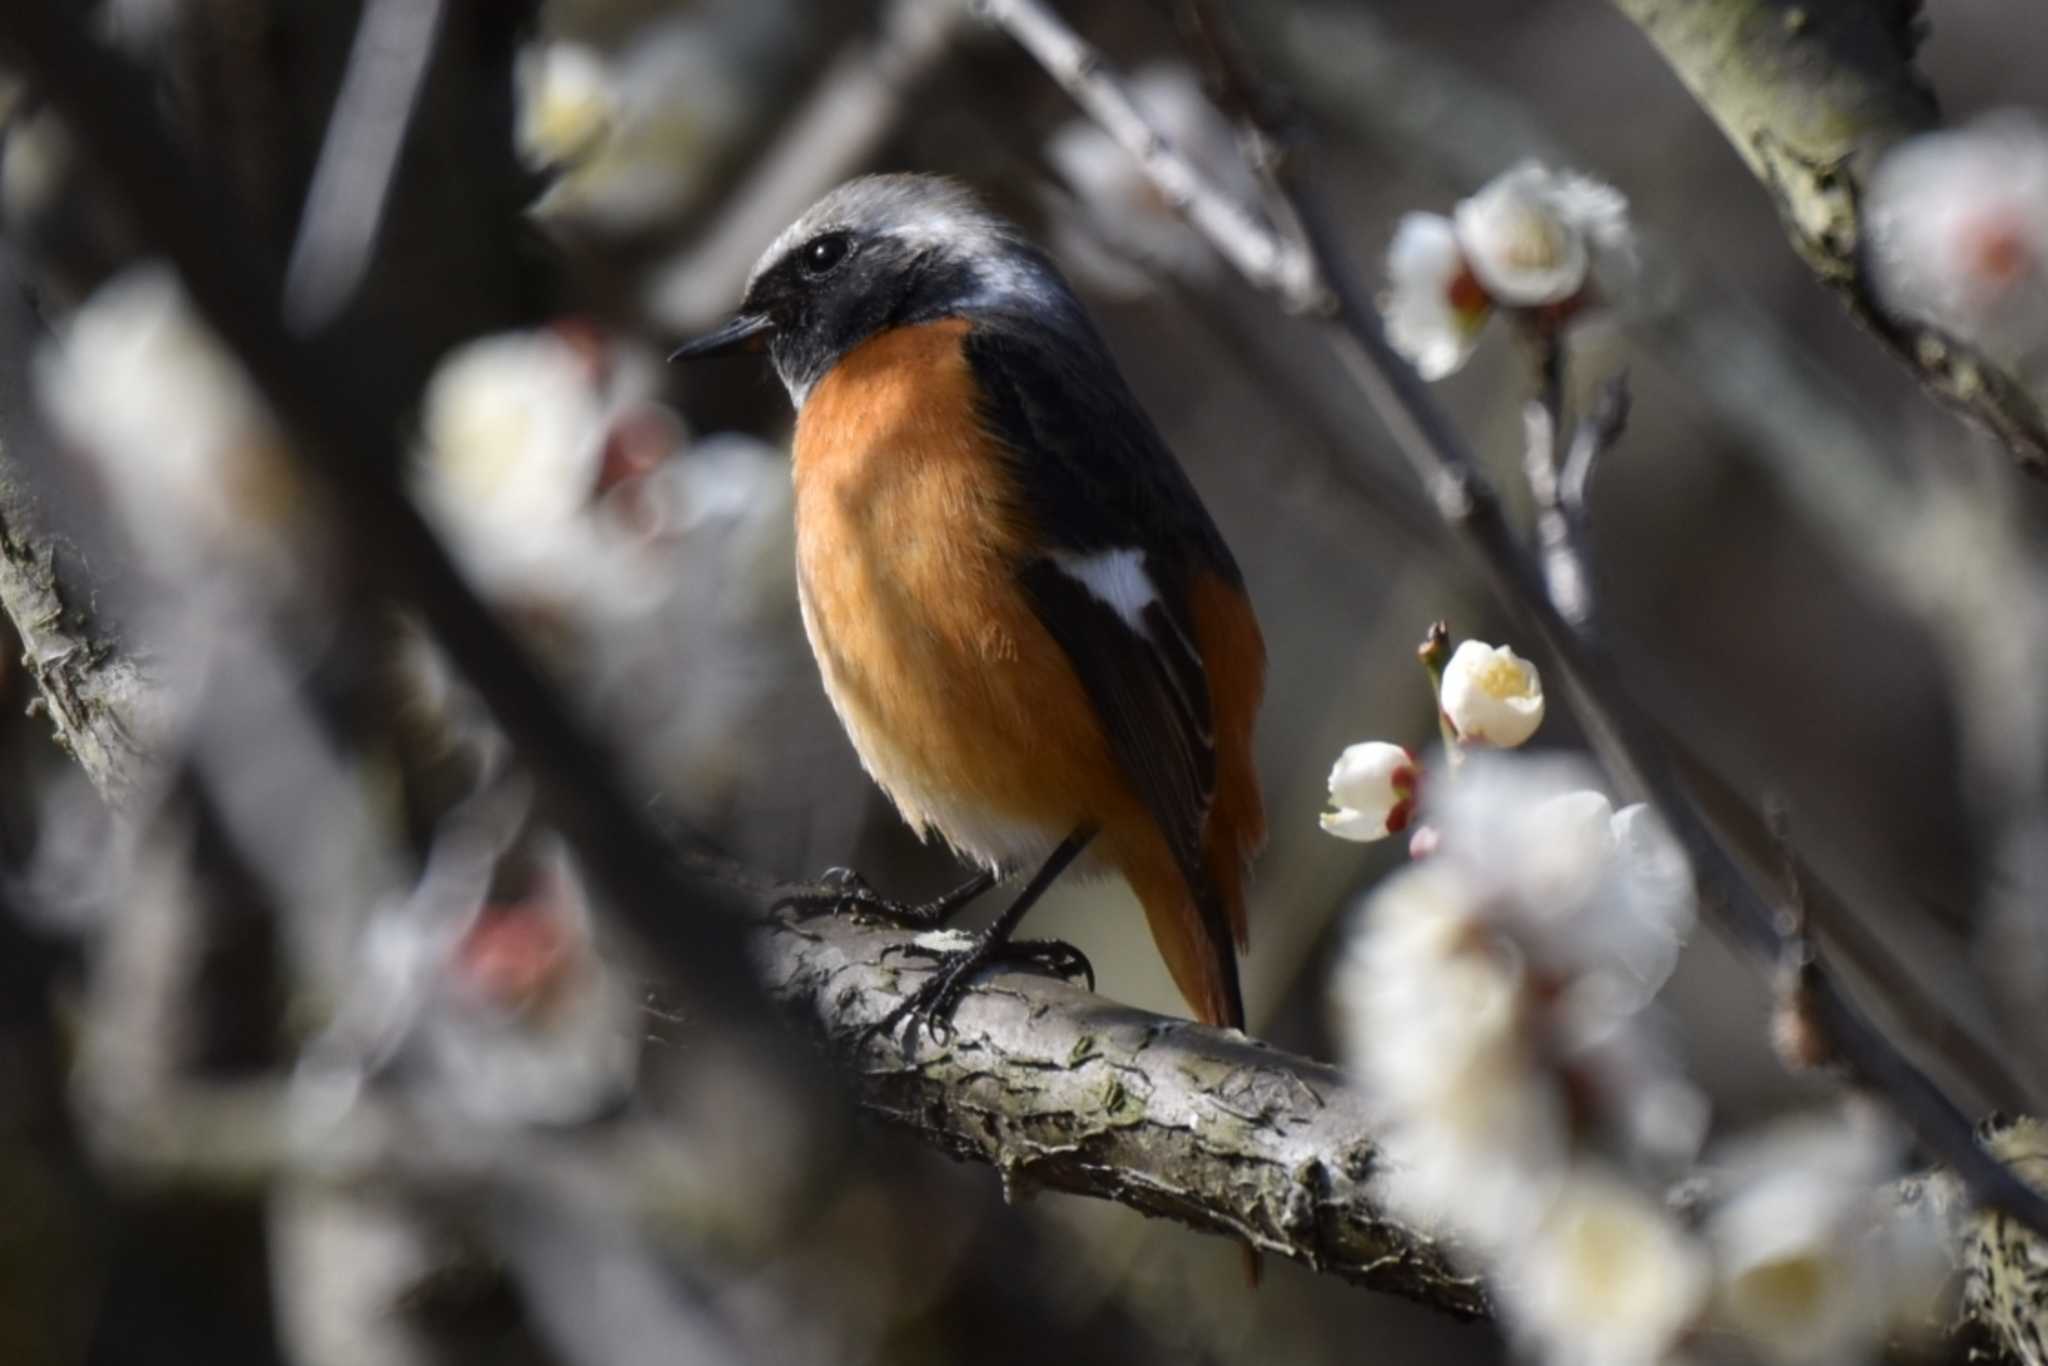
1191	928
1196	909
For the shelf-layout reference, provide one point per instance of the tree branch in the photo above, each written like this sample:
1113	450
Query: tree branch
1062	1090
101	701
1811	93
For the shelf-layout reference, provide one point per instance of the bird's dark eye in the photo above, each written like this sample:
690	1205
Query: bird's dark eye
822	255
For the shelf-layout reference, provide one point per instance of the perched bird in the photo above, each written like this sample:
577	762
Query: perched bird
1031	629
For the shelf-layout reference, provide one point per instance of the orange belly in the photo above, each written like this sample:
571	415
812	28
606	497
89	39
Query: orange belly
961	705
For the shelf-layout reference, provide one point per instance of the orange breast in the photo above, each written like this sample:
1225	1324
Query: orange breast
961	705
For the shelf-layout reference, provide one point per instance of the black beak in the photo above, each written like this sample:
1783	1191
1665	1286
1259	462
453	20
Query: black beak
747	332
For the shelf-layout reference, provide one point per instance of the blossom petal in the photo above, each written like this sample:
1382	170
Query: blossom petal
1492	695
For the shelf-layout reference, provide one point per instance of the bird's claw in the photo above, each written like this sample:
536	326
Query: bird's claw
930	1007
839	891
1054	956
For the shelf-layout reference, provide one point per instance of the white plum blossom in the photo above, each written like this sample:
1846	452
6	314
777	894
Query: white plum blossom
1608	1278
1812	1258
1437	1013
1493	997
631	136
1121	229
501	1009
1534	236
1605	897
1957	232
1532	240
1491	695
182	442
1434	306
1372	788
524	434
567	103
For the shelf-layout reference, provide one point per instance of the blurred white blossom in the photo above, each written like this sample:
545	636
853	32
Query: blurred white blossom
35	157
1434	306
498	1007
183	445
1491	695
1437	1011
534	1027
1957	228
1127	229
1607	1278
1493	997
691	682
1813	1258
566	103
1604	897
631	135
524	435
1535	236
1372	788
1532	239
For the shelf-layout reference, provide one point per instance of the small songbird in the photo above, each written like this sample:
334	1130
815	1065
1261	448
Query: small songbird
1031	629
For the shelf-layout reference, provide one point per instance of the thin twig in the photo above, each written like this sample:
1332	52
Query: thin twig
358	164
1567	568
1595	435
1258	253
1449	471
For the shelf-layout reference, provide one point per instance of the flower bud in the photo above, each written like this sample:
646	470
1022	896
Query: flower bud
1491	695
1372	788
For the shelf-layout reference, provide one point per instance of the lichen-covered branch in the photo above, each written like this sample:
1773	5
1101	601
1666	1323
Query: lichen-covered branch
1063	1090
1811	93
100	700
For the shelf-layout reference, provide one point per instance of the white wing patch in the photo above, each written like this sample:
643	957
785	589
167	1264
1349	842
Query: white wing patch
1117	578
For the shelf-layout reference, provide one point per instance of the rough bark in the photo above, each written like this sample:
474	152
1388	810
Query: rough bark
100	699
1811	93
1060	1089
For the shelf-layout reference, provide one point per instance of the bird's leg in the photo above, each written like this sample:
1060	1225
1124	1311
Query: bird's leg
842	891
932	1004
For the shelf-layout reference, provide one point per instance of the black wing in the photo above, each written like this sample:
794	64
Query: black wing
1097	479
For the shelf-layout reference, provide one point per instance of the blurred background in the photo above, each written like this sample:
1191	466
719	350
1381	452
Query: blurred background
587	181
